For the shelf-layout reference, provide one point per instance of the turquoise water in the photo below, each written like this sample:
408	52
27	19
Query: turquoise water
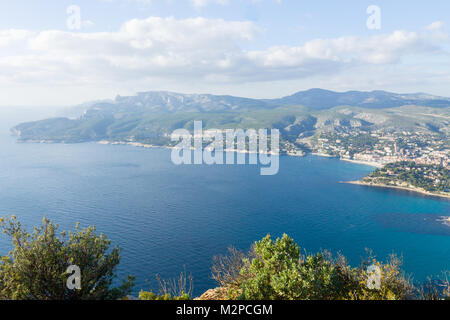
169	218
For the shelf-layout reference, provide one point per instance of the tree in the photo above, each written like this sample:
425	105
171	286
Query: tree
36	268
273	274
277	271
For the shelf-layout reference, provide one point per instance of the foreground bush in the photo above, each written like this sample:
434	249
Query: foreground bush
143	295
37	269
37	266
276	270
180	288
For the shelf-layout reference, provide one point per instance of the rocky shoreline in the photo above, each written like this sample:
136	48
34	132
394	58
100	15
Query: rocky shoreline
412	189
151	146
366	163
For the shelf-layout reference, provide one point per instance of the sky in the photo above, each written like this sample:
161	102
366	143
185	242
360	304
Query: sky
62	53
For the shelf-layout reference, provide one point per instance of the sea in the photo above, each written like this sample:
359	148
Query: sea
170	219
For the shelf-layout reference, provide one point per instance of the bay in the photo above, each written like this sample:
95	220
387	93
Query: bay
170	218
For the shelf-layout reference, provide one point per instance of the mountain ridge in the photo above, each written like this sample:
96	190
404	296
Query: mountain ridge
319	99
150	117
313	99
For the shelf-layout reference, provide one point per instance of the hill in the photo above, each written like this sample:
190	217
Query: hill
150	117
320	99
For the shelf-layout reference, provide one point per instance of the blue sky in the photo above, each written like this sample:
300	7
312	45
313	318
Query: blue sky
254	48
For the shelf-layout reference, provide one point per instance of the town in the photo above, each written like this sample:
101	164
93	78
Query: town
381	147
409	175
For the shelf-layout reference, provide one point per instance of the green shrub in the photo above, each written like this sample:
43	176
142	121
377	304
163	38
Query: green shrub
273	273
393	285
277	271
144	295
173	289
36	267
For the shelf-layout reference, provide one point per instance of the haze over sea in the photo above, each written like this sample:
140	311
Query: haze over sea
169	218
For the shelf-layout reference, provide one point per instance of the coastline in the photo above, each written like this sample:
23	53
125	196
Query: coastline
367	163
412	189
151	146
323	155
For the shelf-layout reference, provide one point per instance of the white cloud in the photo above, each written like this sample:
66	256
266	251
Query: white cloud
141	48
195	3
437	25
204	51
11	36
203	3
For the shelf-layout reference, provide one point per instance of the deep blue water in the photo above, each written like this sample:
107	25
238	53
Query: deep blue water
169	218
